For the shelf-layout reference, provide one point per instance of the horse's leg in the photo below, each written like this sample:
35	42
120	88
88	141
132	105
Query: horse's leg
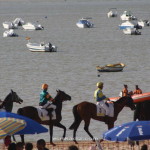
110	125
51	134
75	130
22	139
63	127
86	128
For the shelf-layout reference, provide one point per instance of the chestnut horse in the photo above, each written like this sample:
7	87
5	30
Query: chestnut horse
87	111
31	112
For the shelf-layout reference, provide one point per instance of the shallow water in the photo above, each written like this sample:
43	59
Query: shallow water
73	68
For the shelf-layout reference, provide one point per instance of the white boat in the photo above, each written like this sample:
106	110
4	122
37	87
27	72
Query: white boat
143	23
31	26
18	22
84	23
127	15
9	33
131	31
112	12
111	67
36	47
9	25
129	24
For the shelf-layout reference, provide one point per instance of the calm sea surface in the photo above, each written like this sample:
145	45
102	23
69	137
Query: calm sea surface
73	68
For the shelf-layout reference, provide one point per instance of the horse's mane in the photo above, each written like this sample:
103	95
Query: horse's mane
7	97
120	100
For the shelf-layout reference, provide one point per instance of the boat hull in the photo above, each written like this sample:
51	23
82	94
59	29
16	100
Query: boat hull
136	98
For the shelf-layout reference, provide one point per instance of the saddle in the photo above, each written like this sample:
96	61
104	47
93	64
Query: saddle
46	114
101	111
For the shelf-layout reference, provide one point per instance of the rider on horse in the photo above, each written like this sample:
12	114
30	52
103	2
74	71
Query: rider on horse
101	98
46	99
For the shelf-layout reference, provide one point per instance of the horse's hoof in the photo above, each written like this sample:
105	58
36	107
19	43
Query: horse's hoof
62	139
75	142
51	143
93	140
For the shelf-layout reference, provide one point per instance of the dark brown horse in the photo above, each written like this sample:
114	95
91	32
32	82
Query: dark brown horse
86	111
32	113
142	111
7	104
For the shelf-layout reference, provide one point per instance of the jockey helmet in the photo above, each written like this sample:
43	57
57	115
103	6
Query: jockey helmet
44	86
99	84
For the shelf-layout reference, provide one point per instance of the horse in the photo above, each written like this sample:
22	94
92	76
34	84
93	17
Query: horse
86	111
7	104
142	111
31	112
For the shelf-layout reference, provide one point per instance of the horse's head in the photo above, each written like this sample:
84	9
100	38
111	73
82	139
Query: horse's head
15	97
62	95
128	102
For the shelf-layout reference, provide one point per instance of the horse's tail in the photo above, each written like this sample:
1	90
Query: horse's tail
77	118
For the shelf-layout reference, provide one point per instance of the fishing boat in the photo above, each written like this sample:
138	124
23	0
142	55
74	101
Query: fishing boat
41	47
84	23
127	15
112	12
136	97
31	26
130	24
131	31
111	67
9	33
9	25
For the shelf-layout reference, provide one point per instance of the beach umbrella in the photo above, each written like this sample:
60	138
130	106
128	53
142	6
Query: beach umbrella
135	131
9	126
32	127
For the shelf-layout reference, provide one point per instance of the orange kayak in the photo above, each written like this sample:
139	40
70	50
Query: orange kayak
137	97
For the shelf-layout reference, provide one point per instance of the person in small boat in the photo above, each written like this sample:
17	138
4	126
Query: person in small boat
50	45
124	92
46	99
101	98
137	90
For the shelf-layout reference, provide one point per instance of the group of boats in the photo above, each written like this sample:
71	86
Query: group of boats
131	24
11	26
34	47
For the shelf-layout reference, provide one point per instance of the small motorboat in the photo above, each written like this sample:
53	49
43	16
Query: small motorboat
130	24
41	47
127	15
112	12
143	23
131	31
84	23
18	22
9	33
31	26
111	67
9	25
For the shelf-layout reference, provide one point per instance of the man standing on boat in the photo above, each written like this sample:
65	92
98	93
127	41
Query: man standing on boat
124	92
101	98
137	90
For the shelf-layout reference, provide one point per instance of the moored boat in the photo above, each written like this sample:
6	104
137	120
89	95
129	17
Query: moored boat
127	15
9	33
31	26
41	47
131	31
84	23
111	67
112	12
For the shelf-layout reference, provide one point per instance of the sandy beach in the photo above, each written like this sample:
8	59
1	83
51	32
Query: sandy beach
85	145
